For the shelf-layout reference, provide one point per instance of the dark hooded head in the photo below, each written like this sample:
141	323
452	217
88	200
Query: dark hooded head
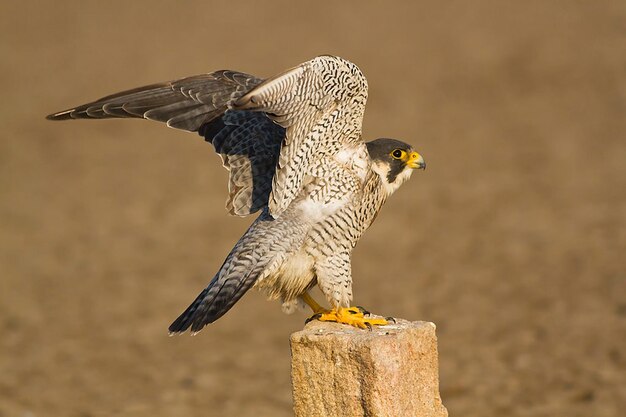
394	160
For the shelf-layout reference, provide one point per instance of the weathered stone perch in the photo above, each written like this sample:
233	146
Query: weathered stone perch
337	370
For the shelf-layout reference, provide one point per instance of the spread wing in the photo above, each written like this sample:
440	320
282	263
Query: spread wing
321	104
315	109
248	142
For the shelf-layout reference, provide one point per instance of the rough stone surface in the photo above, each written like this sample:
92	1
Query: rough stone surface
338	370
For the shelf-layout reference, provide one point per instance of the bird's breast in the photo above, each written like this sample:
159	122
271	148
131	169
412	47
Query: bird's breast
315	211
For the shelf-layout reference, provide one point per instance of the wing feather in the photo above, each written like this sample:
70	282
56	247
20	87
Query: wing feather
184	104
321	104
249	144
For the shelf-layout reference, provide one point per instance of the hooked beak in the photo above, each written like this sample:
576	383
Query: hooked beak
416	161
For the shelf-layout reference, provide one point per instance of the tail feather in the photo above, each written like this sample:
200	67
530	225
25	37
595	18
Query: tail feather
259	252
185	320
213	302
240	270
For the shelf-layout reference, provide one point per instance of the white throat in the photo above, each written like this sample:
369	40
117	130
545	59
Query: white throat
390	187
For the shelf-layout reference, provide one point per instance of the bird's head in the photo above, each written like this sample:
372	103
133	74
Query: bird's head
393	161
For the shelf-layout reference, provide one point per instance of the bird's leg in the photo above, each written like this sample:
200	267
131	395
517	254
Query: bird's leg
317	309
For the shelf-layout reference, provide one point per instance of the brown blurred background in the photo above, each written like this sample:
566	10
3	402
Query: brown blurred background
513	241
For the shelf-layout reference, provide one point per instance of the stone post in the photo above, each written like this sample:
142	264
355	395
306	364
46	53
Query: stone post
342	371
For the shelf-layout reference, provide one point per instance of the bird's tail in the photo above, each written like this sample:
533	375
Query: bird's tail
186	319
258	249
235	277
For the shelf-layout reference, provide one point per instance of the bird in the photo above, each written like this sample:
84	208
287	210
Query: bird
293	146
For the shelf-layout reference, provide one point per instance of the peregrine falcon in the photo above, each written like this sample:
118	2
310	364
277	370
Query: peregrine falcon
292	145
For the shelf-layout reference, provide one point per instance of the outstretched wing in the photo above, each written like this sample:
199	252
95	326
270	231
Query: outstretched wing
321	104
318	107
248	142
184	104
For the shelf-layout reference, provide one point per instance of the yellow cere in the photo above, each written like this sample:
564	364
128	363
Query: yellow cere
415	161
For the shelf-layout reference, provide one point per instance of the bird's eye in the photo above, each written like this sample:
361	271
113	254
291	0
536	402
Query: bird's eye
397	153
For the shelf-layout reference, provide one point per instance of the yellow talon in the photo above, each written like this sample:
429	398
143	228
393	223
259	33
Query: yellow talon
353	316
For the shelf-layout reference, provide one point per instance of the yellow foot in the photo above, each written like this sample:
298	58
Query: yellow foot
353	316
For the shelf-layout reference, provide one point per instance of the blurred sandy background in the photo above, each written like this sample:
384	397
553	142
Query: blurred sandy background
513	241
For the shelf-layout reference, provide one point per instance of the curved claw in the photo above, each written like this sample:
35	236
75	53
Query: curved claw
391	319
363	310
313	317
